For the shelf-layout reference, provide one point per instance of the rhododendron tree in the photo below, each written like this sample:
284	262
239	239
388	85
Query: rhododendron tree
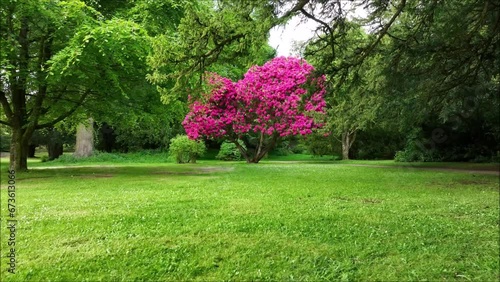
279	99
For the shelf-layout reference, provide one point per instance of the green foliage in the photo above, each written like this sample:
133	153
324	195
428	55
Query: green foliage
430	64
441	71
318	144
418	151
354	99
185	150
229	152
5	139
144	156
282	148
226	38
62	59
377	143
299	148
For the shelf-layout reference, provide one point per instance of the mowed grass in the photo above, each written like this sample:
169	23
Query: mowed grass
270	221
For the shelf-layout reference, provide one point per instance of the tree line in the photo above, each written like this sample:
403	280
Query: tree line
419	78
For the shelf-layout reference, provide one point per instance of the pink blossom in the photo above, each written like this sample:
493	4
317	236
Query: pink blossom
273	98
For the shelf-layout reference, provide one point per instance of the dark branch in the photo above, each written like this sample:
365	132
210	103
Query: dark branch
5	105
300	5
327	26
382	33
66	114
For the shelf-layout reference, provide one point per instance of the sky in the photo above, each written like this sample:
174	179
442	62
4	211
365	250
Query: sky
282	37
297	29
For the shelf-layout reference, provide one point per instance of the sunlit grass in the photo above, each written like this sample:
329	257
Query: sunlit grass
270	221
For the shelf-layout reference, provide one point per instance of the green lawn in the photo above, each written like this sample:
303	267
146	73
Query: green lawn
271	221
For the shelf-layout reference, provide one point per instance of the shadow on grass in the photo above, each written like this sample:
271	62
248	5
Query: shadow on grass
108	171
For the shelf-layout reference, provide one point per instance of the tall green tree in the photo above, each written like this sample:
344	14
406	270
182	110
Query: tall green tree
436	59
55	57
223	36
139	119
353	100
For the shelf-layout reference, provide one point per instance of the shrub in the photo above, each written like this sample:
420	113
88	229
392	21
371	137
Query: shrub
281	149
376	142
416	151
299	148
229	152
68	159
185	150
319	145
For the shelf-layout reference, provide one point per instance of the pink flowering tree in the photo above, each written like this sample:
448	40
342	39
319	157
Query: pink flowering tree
279	99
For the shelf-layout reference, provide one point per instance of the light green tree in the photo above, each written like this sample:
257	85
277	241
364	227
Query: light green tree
57	56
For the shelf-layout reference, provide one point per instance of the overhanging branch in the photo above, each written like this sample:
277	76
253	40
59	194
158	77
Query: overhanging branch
66	114
382	33
5	105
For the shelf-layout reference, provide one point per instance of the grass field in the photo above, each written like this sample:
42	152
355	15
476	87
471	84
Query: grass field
304	220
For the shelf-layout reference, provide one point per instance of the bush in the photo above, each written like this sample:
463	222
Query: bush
229	152
376	143
68	159
185	150
281	149
319	145
299	148
416	151
145	156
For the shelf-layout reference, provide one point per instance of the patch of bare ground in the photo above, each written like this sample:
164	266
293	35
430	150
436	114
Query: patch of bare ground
371	201
32	178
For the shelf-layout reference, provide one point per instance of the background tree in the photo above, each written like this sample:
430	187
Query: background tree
352	97
443	76
435	65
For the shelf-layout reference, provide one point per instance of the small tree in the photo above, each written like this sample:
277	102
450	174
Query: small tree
185	150
281	98
229	152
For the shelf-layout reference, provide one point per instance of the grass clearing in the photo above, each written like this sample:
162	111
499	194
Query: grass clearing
271	221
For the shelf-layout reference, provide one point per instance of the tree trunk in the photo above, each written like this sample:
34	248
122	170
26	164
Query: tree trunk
254	155
31	150
347	140
19	150
55	150
54	144
84	139
345	150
